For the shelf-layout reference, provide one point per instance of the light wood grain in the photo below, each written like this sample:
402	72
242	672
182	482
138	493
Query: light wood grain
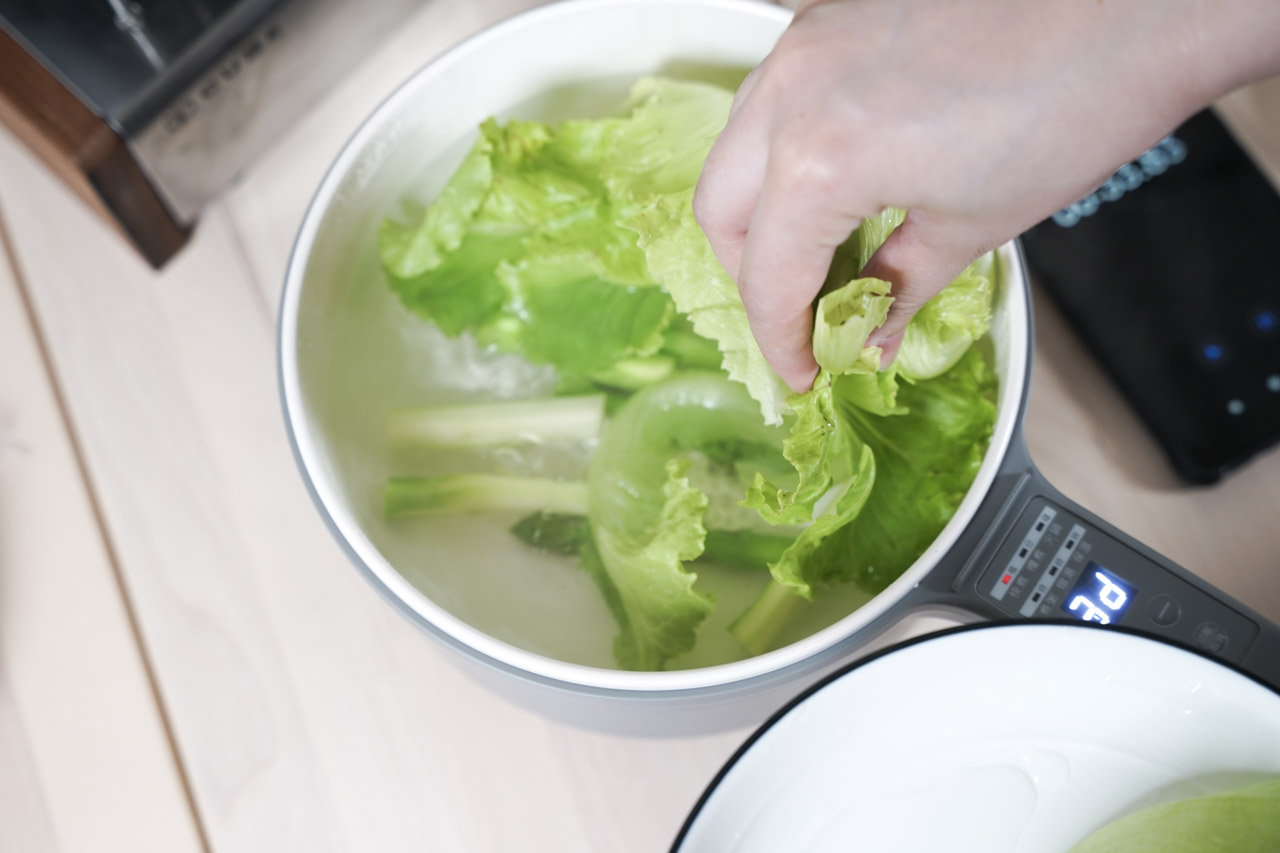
309	715
85	761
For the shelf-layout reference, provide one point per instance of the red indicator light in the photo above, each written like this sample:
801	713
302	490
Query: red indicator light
1006	579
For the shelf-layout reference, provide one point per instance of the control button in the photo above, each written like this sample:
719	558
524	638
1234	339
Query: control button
1273	383
1164	610
1266	321
1213	353
1235	407
1210	637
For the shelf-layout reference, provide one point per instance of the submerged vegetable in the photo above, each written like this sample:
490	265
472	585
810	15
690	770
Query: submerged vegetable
575	246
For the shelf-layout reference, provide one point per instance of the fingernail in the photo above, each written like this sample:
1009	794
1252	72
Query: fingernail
889	350
802	381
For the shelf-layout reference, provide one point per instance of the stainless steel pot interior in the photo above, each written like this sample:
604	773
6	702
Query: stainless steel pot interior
348	352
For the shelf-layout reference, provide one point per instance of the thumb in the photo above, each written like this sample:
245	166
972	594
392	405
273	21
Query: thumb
920	258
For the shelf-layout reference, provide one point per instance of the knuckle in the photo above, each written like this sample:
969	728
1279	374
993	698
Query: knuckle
801	160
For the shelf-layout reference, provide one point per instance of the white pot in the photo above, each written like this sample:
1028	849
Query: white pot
348	353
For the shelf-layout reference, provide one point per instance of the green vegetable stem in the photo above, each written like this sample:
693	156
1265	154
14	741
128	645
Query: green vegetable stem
497	423
464	493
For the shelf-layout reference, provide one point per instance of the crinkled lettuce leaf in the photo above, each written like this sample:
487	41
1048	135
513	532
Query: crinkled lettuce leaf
836	472
408	250
523	246
647	519
852	255
1246	820
895	478
948	324
926	459
945	326
842	322
681	259
576	318
876	393
660	148
641	565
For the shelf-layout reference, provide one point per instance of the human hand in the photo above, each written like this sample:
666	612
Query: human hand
980	117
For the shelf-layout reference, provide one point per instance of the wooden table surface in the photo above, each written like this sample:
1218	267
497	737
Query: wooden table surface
187	660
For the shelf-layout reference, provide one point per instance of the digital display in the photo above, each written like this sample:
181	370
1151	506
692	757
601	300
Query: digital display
1099	596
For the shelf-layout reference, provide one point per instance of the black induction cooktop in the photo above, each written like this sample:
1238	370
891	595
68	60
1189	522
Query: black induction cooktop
1170	273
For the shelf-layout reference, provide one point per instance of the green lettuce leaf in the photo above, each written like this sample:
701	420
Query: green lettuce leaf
926	459
1246	820
660	147
836	468
895	478
408	250
462	292
647	520
681	259
575	318
946	326
836	473
656	604
554	532
523	248
876	393
852	255
843	321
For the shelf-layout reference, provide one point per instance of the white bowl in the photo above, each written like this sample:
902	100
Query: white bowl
1017	738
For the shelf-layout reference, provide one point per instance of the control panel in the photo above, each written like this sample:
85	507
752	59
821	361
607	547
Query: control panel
1055	565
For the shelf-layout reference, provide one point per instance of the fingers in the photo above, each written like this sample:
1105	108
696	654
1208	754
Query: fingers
919	259
730	204
763	204
790	240
730	182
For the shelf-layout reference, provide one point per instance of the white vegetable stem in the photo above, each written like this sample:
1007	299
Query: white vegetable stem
757	629
458	494
497	423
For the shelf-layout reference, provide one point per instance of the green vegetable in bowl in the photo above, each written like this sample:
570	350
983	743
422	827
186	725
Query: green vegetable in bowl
575	246
1246	820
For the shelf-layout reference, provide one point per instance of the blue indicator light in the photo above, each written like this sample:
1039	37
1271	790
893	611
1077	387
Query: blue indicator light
1213	352
1266	321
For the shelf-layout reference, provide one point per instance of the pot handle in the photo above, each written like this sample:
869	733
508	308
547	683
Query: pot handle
1032	553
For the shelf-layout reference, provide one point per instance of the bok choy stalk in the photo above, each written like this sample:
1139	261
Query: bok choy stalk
501	422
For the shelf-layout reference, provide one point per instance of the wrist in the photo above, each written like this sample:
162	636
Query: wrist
1227	45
